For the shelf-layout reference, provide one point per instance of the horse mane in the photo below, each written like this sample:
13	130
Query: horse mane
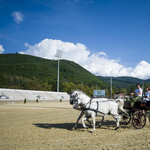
78	90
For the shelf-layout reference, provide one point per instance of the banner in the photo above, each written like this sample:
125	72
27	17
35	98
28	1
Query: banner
99	93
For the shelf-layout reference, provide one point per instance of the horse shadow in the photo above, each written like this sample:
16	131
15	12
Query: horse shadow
68	126
108	123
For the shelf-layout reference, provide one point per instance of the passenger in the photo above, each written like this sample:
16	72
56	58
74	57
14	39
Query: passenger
147	93
137	95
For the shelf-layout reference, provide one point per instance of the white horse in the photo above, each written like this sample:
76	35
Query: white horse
93	108
73	95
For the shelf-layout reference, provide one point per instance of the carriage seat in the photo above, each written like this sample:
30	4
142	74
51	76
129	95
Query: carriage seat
136	106
127	105
143	105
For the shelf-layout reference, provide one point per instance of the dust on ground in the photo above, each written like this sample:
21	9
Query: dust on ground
48	126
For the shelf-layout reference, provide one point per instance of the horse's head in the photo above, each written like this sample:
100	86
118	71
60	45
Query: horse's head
76	101
75	98
73	94
78	98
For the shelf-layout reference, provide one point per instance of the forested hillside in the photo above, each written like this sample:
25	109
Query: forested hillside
33	73
128	83
121	82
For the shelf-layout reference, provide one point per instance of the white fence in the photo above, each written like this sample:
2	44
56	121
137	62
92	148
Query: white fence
30	95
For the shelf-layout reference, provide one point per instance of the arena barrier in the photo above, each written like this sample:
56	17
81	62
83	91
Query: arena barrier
31	95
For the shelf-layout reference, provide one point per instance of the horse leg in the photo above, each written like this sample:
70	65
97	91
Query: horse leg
89	121
83	119
117	117
101	121
81	114
93	118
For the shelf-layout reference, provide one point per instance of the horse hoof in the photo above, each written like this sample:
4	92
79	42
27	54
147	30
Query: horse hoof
87	127
73	128
91	131
116	128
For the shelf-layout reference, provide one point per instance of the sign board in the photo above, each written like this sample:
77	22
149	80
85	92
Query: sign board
99	93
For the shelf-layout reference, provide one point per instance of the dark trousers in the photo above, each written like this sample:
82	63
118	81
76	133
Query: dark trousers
134	99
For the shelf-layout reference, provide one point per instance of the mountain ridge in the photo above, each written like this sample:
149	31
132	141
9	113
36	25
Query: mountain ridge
123	81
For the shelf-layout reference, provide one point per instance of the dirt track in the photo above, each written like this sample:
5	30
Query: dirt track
48	126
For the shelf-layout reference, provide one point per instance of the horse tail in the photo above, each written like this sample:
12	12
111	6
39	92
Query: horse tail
120	103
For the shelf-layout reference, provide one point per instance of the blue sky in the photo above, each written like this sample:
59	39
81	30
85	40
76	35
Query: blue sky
113	36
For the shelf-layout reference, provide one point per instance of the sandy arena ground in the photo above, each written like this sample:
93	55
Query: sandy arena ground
48	126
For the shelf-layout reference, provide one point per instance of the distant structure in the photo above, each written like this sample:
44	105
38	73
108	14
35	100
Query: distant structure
121	95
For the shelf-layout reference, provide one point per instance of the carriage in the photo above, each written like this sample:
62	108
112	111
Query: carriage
116	108
137	114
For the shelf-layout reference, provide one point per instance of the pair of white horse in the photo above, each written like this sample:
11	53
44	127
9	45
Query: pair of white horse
95	107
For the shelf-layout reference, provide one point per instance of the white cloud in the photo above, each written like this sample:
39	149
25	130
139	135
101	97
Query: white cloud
47	49
102	53
97	63
142	69
18	16
1	49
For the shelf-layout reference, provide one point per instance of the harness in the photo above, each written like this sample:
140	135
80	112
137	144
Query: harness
92	102
95	110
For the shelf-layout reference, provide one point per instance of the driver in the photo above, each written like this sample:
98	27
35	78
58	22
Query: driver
137	95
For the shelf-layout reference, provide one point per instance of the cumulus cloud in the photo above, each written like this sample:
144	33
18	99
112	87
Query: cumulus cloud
18	16
97	63
102	53
1	49
47	49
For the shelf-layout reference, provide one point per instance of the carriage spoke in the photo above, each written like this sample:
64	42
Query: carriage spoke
125	119
139	120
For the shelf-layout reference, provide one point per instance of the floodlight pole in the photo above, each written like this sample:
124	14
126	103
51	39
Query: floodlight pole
58	54
58	77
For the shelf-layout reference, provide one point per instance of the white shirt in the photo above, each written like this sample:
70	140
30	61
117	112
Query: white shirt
147	94
138	91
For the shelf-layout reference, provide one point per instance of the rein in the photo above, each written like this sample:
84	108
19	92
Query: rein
95	110
92	102
80	109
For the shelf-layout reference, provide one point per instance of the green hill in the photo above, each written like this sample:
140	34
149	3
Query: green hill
30	72
123	82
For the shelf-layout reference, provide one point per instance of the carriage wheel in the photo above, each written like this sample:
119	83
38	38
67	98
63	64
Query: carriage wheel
139	120
125	119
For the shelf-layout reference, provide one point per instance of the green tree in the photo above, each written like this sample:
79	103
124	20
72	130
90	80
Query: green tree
72	86
65	87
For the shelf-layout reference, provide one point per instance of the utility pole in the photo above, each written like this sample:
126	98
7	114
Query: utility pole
81	85
143	85
111	86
